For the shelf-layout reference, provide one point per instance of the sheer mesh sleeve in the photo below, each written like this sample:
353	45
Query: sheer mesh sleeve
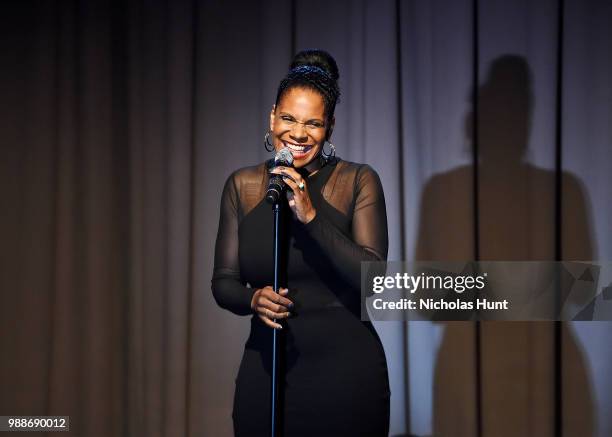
369	229
228	289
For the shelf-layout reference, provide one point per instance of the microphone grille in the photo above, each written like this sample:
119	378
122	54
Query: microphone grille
284	157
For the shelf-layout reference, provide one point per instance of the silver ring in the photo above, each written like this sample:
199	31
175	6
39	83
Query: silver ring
301	185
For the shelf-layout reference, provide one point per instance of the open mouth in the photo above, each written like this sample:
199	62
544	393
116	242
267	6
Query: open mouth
298	150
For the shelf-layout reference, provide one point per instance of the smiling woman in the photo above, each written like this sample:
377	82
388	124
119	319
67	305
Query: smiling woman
304	138
333	373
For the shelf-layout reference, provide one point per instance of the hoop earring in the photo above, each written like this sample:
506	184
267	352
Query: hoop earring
269	147
332	151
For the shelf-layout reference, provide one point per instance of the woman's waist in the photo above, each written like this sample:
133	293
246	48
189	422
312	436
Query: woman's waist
315	329
310	294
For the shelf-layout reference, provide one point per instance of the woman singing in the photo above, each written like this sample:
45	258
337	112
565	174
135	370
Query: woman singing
334	378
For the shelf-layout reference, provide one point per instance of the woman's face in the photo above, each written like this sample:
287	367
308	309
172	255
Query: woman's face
298	122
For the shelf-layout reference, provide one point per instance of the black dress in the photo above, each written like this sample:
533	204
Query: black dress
334	379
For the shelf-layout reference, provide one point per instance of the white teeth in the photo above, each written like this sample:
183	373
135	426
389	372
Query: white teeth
297	148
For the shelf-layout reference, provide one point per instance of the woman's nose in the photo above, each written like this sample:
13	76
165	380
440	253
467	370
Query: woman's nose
299	132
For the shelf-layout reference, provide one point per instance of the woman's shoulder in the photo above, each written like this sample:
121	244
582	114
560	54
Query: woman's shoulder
249	185
355	171
348	182
248	173
246	178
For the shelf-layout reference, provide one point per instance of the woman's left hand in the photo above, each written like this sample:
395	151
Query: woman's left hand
299	200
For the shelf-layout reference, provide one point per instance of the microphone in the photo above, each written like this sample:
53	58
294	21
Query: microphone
276	184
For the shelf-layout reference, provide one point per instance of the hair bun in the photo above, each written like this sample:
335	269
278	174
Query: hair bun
316	70
316	58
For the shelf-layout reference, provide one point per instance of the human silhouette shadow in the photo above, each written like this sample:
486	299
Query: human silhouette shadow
516	221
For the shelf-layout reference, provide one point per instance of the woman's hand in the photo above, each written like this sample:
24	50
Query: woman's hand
299	199
269	305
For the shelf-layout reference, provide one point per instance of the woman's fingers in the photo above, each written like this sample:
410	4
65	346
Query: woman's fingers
269	322
270	305
299	202
276	308
294	186
283	174
287	171
276	298
267	312
299	199
291	177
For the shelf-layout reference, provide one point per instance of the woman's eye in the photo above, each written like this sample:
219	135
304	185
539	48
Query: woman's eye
285	118
314	124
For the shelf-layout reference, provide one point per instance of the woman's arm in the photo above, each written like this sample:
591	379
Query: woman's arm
228	289
369	229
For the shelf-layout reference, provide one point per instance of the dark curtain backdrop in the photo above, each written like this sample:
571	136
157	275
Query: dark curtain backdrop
488	121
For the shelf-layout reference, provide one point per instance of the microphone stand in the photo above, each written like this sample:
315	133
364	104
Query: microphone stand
274	401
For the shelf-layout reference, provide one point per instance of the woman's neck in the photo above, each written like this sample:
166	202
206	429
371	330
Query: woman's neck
313	166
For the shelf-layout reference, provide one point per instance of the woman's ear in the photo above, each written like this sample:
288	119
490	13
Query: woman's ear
272	117
330	129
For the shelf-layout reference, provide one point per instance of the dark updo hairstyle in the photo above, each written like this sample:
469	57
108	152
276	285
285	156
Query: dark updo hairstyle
315	70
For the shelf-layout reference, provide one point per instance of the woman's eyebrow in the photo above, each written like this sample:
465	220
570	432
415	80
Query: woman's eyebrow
312	119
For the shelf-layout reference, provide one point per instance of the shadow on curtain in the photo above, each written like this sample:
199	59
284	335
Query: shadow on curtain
513	367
